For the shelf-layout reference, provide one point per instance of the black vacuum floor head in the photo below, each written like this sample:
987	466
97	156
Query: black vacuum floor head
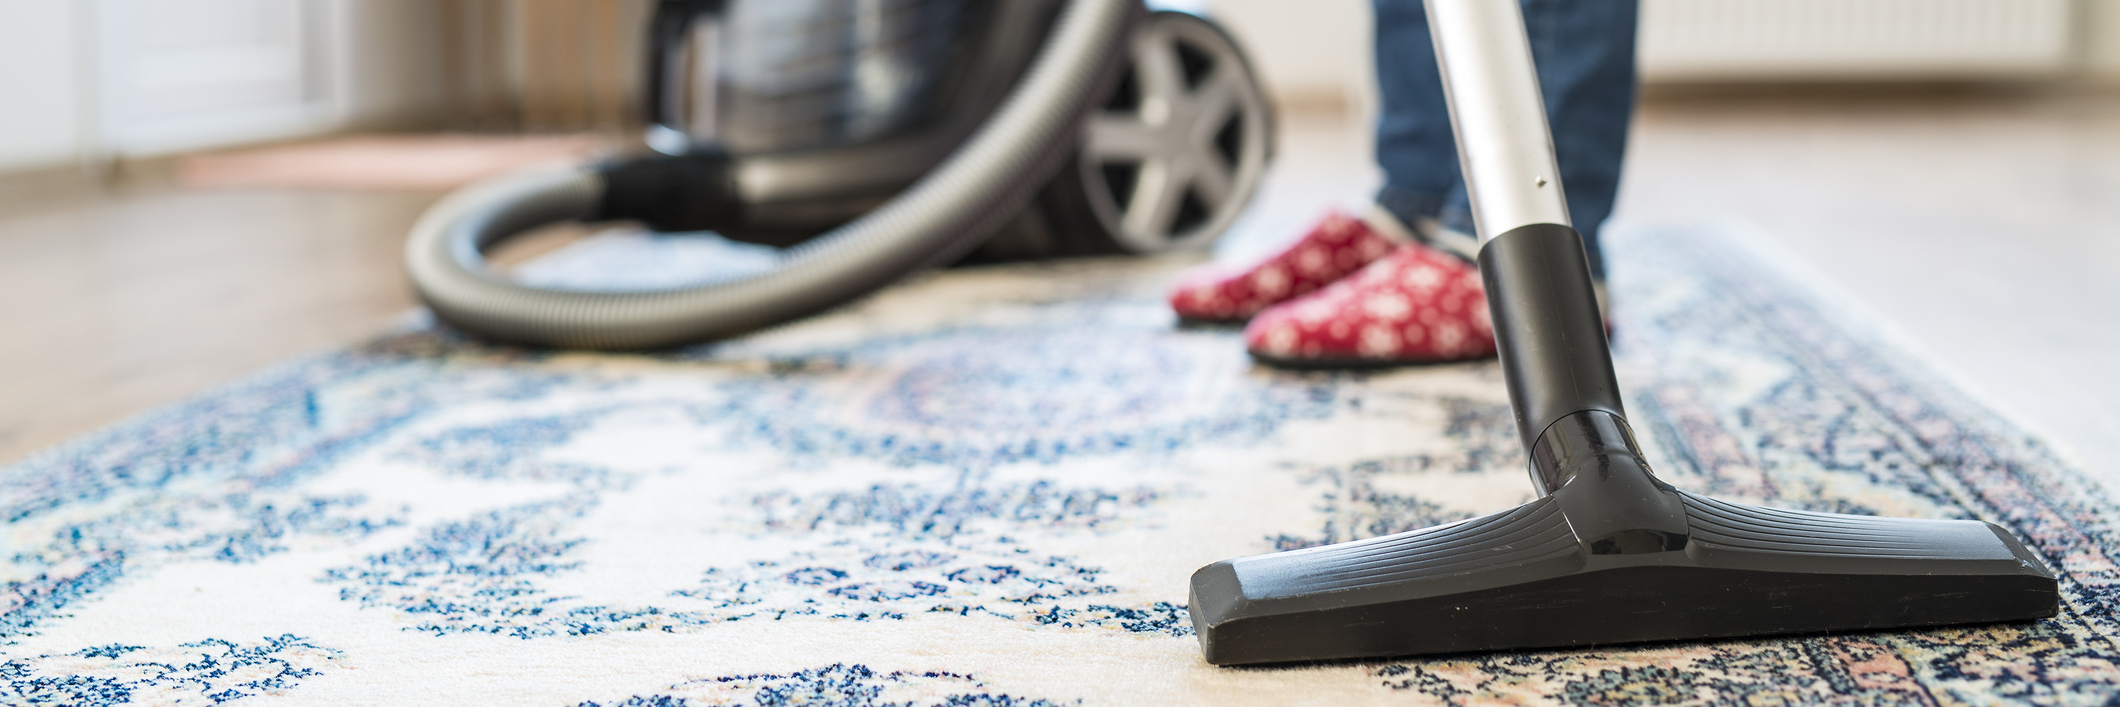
1608	554
1613	556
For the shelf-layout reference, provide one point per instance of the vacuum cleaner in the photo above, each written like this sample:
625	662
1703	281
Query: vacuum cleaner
866	139
1608	553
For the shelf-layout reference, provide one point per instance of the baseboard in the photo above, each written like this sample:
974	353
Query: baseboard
37	185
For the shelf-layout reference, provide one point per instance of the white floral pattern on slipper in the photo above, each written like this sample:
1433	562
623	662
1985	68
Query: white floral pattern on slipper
1338	245
1415	305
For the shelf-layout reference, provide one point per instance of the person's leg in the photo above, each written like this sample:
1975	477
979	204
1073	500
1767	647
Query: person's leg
1414	144
1419	157
1419	304
1584	50
1585	55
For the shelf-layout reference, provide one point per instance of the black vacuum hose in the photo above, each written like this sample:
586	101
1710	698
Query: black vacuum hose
939	218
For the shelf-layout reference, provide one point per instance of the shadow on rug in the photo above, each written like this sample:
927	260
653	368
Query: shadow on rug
984	487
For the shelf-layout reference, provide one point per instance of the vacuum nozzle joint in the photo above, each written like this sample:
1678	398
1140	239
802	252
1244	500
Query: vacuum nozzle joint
1589	463
695	191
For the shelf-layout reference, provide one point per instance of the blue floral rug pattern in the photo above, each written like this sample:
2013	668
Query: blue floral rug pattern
985	487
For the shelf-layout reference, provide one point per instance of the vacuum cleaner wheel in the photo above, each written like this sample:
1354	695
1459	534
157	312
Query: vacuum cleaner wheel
1174	154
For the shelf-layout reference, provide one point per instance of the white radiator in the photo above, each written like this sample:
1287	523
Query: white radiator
1854	39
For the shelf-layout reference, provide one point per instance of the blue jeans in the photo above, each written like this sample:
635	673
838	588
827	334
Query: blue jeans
1585	55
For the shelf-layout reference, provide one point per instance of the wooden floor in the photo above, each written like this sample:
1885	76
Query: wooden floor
115	304
1985	224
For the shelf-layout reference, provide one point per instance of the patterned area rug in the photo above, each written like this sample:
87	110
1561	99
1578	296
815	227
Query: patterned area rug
986	487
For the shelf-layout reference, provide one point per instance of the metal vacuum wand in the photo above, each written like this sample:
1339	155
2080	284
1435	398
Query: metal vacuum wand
1608	553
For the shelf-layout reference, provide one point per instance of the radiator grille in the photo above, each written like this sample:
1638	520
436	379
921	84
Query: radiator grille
1808	39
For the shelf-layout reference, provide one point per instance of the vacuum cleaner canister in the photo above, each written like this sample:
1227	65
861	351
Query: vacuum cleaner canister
1608	553
865	140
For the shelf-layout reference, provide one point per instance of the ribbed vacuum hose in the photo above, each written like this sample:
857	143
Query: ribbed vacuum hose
939	218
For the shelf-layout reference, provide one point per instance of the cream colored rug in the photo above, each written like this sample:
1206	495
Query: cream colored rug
984	487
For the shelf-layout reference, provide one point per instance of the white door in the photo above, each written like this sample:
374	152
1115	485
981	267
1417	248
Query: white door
185	74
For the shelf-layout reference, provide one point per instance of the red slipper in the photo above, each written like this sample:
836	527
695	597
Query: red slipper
1416	305
1340	244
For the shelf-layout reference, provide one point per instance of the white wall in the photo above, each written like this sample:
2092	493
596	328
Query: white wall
2101	40
1319	50
41	111
378	63
1313	51
1858	40
1310	52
